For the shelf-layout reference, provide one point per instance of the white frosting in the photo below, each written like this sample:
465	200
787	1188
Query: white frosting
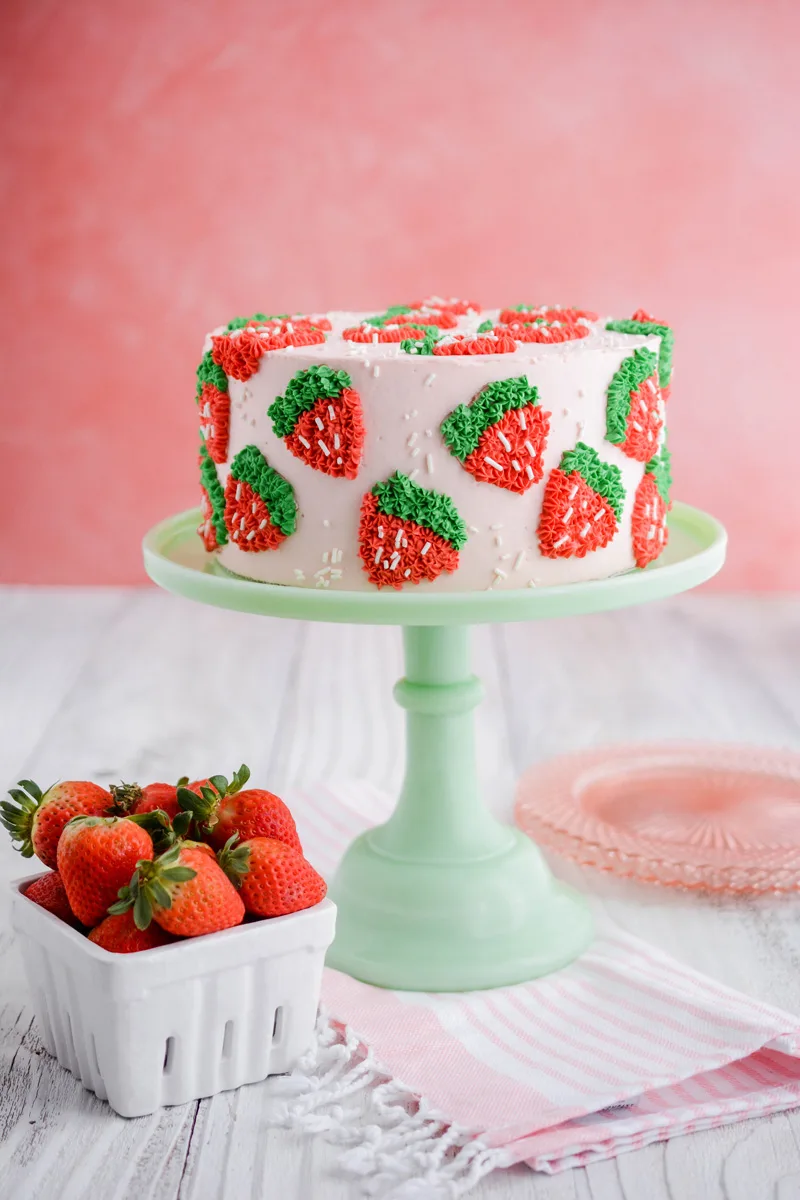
404	404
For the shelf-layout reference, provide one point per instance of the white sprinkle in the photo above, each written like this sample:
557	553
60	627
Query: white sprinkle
298	574
407	572
637	427
339	462
531	583
251	535
241	523
498	526
326	523
491	463
414	412
530	449
425	549
506	444
386	564
574	491
303	442
586	529
322	583
504	557
651	532
561	541
429	463
399	537
565	411
598	514
473	529
406	416
378	554
238	491
263	524
428	433
523	424
319	423
429	379
412	438
323	448
326	556
518	561
235	534
405	542
529	471
253	508
203	431
498	540
336	442
411	474
515	465
415	452
375	339
642	406
567	514
499	573
331	413
336	573
376	371
395	560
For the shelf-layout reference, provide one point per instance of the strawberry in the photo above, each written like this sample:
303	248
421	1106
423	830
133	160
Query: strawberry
215	419
500	436
260	508
96	856
642	323
36	820
457	307
650	507
273	879
212	501
369	332
544	332
634	406
583	501
119	934
490	342
546	312
238	351
130	798
427	316
222	809
184	891
408	533
49	892
319	417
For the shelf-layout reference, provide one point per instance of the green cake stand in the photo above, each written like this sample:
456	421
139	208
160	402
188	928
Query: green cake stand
443	897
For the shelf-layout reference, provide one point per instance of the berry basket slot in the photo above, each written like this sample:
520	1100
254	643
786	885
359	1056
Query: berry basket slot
179	1022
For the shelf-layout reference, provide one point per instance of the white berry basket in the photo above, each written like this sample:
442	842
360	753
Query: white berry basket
180	1022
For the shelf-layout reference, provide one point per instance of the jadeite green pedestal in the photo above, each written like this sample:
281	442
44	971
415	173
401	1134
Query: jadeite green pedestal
443	897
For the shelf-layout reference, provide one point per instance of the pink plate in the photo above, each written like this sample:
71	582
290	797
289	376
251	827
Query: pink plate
721	818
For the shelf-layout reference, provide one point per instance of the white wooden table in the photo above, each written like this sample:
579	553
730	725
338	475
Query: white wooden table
133	684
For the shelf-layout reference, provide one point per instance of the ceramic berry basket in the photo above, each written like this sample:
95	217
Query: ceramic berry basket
180	1022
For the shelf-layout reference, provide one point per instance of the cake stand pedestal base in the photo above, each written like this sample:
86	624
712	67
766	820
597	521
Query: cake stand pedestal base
443	897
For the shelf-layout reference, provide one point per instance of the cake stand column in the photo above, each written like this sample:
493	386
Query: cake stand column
443	897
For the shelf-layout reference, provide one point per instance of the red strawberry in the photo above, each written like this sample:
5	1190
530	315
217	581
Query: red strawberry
239	351
185	891
545	312
273	879
490	342
260	508
212	527
544	332
425	316
582	503
215	419
366	332
221	809
634	406
36	820
643	323
650	506
118	934
408	533
500	436
457	307
319	417
130	798
96	857
49	892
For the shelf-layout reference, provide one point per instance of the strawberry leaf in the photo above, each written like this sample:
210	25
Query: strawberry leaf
32	788
142	910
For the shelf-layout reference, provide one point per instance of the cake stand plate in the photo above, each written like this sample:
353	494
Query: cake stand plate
443	897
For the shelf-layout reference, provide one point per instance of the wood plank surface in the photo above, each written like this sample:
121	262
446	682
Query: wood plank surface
112	684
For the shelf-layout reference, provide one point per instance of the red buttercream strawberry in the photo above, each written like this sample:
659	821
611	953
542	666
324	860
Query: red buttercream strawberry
36	820
582	504
634	406
273	879
319	417
239	351
500	436
48	892
119	934
96	857
376	334
458	308
212	502
543	332
260	508
651	504
491	342
643	323
215	419
408	533
526	313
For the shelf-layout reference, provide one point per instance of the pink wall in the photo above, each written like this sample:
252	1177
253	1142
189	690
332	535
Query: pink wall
166	165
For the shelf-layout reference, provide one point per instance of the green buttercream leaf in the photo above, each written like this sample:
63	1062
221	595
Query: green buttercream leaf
251	467
209	372
485	327
604	478
659	468
422	345
216	494
302	392
240	322
463	429
631	375
385	318
401	497
667	343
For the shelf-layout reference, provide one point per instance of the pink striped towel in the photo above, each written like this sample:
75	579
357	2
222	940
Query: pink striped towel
622	1048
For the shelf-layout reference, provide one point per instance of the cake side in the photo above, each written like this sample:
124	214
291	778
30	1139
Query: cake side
369	463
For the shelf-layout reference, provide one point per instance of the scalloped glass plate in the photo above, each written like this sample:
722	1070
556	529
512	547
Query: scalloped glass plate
694	815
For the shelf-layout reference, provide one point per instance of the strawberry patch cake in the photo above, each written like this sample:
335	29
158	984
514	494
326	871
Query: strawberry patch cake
435	445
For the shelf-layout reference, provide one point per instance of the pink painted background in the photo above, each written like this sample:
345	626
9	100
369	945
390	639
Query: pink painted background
166	165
